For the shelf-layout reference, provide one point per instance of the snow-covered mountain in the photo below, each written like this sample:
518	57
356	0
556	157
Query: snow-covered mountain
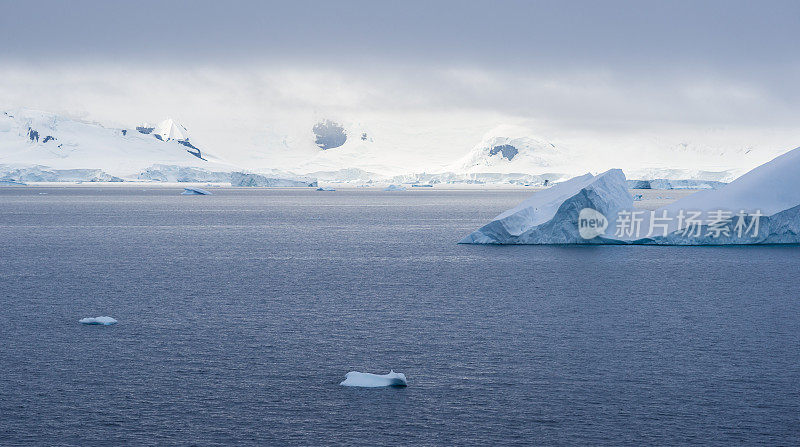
337	150
170	130
507	149
35	138
345	146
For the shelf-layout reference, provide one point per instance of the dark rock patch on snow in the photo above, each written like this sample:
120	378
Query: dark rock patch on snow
505	150
329	134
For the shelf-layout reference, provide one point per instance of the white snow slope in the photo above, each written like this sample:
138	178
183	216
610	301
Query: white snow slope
170	130
516	154
514	149
33	138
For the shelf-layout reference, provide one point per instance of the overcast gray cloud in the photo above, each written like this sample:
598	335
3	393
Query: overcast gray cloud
612	66
739	35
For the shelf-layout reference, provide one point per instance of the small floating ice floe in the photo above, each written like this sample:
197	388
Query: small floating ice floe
105	321
195	192
394	188
325	188
355	378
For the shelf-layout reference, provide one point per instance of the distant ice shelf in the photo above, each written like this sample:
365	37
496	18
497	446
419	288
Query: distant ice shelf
368	380
249	179
11	183
674	184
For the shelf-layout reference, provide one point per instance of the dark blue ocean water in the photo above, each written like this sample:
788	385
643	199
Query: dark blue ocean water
239	314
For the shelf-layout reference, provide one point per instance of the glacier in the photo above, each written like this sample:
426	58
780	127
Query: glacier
760	207
105	321
44	174
242	179
480	178
663	183
5	182
180	174
189	174
369	380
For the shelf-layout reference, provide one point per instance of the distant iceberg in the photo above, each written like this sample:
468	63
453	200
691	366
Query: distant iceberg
105	321
551	215
195	192
325	188
760	207
394	188
368	380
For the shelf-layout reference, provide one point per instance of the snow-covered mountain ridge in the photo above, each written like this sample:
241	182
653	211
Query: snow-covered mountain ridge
34	138
343	152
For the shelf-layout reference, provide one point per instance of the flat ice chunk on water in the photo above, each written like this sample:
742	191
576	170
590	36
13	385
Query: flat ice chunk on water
105	321
395	188
325	188
195	192
368	380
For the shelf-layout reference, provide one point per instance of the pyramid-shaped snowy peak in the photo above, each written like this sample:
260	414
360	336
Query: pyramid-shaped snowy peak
170	130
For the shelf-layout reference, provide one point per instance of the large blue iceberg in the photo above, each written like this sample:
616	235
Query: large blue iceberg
760	207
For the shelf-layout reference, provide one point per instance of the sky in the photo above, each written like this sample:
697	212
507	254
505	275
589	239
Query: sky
421	72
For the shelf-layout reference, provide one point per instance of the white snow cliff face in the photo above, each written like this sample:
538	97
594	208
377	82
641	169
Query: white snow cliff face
761	207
